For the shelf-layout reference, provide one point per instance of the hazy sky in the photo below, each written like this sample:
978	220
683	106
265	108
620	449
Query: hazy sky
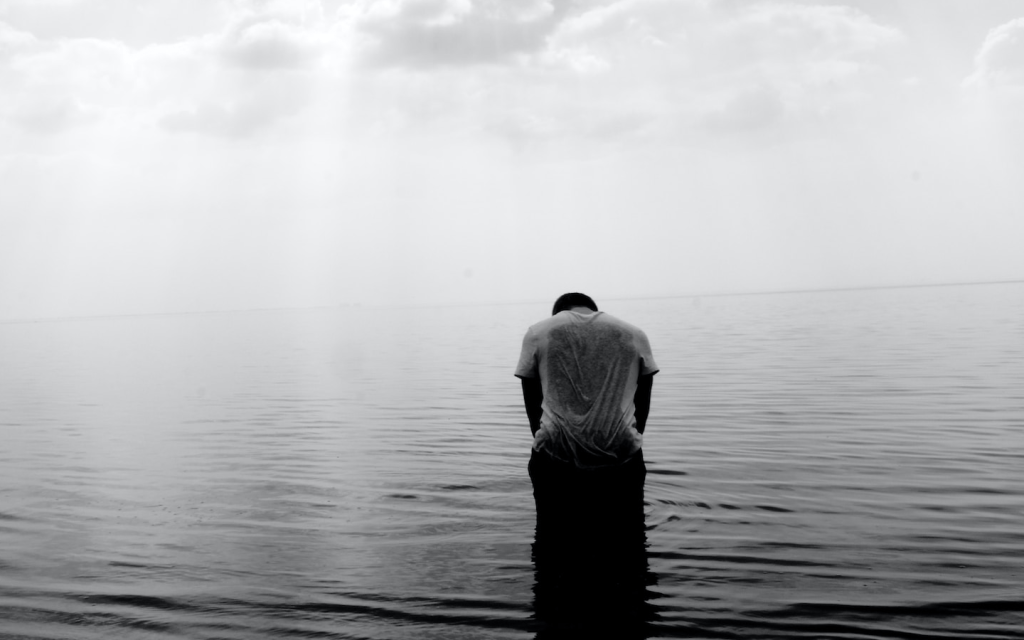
180	155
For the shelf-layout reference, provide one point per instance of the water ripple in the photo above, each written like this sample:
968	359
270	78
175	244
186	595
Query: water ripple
838	465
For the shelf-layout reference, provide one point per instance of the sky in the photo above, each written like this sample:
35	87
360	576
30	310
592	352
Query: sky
196	155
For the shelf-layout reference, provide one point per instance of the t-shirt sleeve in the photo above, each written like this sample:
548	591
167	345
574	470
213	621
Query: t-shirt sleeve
528	367
647	364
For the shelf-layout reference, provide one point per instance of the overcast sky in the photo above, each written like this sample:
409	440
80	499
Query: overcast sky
184	155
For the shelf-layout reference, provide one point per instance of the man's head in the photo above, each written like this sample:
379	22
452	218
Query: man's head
569	300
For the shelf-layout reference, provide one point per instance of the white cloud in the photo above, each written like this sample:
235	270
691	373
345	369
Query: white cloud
269	44
810	30
41	2
294	11
1000	60
82	64
223	82
274	34
255	72
426	33
52	115
649	21
994	91
753	108
710	38
13	40
817	57
679	65
55	86
232	119
550	66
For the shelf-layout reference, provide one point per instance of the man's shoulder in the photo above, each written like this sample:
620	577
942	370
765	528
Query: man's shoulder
619	322
598	319
547	324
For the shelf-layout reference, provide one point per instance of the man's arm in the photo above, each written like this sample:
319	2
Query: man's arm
533	396
642	400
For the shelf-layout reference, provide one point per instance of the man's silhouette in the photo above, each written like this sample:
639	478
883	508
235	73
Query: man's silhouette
587	379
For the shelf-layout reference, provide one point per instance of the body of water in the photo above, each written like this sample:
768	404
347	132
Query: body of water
820	465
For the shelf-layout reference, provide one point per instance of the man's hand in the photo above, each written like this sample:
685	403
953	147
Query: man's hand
533	396
642	401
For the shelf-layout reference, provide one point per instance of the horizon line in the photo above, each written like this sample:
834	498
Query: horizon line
101	316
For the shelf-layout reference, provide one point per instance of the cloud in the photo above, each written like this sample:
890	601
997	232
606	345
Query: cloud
52	115
701	36
52	87
527	70
271	34
809	30
618	72
296	11
220	82
1000	60
753	108
260	35
13	40
817	57
242	79
269	44
231	119
425	33
648	21
81	64
679	65
42	2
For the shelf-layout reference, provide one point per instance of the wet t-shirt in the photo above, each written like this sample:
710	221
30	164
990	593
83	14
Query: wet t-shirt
588	365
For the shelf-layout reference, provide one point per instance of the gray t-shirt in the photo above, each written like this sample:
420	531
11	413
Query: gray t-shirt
588	365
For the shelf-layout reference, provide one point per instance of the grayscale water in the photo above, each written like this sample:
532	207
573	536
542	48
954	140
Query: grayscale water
820	465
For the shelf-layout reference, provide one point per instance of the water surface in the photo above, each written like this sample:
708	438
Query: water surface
820	465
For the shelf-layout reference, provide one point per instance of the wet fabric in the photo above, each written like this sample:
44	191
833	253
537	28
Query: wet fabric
588	365
603	499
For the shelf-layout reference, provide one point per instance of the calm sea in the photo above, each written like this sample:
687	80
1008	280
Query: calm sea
820	465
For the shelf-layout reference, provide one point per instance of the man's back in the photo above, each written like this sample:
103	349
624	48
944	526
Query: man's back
589	364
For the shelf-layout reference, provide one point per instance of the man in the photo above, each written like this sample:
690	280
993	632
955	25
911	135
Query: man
587	379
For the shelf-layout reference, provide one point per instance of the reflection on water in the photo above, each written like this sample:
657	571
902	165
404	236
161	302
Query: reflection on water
826	465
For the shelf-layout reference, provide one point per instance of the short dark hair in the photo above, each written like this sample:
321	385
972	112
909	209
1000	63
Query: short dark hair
570	300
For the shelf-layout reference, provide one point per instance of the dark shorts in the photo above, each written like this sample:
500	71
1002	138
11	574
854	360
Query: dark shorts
570	498
548	473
